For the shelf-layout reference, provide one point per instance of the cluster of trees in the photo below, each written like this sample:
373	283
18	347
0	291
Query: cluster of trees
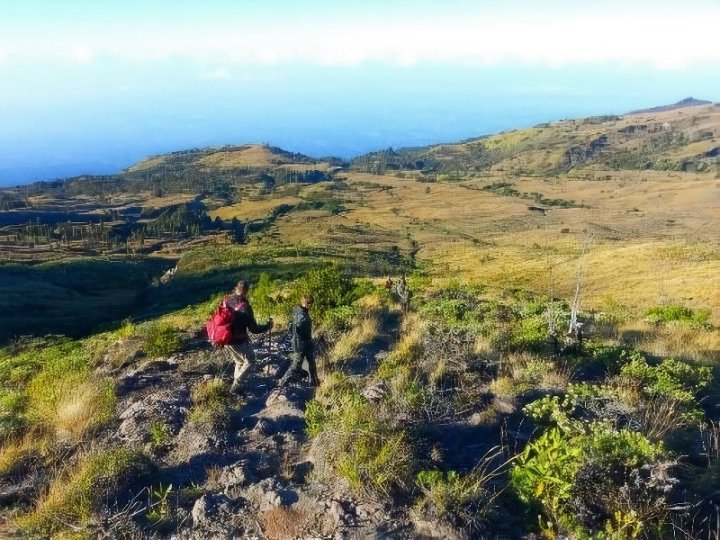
181	221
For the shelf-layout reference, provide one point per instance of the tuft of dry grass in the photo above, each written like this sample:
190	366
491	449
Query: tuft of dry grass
284	523
350	343
15	451
69	410
76	493
83	407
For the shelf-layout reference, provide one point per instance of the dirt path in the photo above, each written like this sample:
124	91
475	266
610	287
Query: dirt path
255	458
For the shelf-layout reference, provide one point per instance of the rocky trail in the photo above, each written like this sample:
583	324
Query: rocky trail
252	469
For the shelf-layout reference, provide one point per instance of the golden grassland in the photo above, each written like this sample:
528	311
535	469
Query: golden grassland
149	163
251	209
168	200
648	238
251	155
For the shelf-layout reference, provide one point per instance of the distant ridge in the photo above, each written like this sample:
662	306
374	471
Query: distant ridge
687	102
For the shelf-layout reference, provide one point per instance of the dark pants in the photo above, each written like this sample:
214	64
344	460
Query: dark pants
298	357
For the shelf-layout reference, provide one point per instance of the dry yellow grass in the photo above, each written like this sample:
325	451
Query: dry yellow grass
170	200
251	155
14	450
284	523
653	236
350	342
249	209
149	163
304	167
78	410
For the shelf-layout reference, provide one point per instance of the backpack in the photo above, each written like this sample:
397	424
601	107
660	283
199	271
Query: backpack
219	326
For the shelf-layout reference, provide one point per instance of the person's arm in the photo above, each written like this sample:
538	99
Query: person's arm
253	325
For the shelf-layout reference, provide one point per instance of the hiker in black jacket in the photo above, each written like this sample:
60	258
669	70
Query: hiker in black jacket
240	349
302	343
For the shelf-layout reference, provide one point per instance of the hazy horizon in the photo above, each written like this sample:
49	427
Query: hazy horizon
91	88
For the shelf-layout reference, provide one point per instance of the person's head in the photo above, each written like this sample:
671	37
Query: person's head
242	287
306	301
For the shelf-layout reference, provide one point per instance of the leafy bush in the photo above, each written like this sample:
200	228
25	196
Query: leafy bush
678	314
555	471
161	339
671	378
211	400
356	442
264	296
330	287
461	500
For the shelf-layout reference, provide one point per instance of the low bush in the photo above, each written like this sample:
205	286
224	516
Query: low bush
330	287
678	314
464	501
161	339
595	481
211	402
356	442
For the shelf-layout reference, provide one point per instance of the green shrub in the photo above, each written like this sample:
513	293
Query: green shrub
160	434
560	471
264	296
12	407
161	339
678	314
211	402
462	500
357	443
330	287
671	378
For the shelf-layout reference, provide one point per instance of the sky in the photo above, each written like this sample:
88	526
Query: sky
91	87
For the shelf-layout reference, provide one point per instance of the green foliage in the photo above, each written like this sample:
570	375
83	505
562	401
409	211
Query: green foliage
161	339
671	378
160	434
159	506
341	319
211	402
462	500
678	314
456	306
358	444
263	295
12	407
330	287
546	472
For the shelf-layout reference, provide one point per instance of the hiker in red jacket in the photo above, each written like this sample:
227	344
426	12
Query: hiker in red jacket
240	349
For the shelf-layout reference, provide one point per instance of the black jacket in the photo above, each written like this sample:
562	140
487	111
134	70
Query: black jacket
302	329
244	319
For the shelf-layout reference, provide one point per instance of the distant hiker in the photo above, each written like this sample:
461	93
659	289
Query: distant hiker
302	343
403	291
240	349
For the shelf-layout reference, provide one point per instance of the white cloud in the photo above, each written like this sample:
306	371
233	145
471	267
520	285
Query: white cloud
665	39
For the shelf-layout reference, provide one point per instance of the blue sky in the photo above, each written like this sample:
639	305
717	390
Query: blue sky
91	87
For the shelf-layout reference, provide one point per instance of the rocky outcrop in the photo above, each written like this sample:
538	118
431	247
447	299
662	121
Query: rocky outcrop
583	153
